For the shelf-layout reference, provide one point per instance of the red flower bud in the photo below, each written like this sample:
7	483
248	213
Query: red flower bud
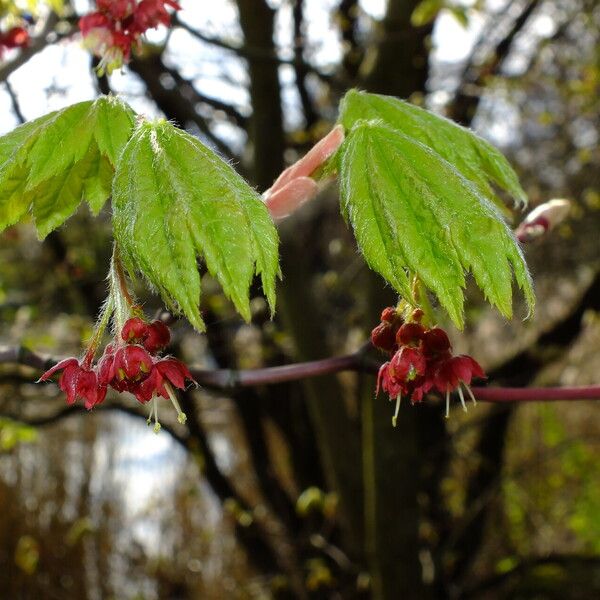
410	333
383	337
417	315
389	314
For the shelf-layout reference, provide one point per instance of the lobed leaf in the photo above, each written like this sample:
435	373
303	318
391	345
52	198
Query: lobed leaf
413	212
472	156
174	200
49	165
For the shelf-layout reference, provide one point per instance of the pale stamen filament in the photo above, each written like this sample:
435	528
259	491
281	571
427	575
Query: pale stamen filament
181	416
156	423
470	392
395	417
447	403
149	419
462	398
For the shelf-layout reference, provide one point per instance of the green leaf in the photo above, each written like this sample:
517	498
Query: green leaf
413	213
475	158
49	165
174	200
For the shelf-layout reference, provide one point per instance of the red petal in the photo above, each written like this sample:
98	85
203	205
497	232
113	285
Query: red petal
152	385
134	329
63	364
410	333
383	337
175	371
436	340
389	314
444	377
132	361
106	369
382	376
93	21
95	398
68	383
158	336
407	359
466	367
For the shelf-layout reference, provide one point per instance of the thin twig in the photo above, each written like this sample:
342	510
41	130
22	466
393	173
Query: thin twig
230	379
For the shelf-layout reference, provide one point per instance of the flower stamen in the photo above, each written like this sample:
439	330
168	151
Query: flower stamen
470	392
181	416
156	422
395	417
462	398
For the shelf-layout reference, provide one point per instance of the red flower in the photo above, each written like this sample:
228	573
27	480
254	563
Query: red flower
152	13
435	341
165	370
92	21
453	371
122	42
407	364
410	333
117	9
388	383
422	362
17	37
135	330
77	381
131	363
158	337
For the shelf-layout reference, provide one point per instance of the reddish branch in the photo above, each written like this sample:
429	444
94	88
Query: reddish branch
229	379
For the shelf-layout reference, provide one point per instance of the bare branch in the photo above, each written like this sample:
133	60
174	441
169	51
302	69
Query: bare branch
231	379
465	103
15	102
174	103
301	69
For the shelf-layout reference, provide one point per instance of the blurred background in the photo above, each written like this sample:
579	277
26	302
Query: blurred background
304	490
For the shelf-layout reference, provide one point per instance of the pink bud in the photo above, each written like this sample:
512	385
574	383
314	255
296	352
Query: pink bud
293	187
542	219
286	200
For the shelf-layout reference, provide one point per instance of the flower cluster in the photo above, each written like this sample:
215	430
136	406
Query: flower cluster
117	26
129	364
15	37
421	361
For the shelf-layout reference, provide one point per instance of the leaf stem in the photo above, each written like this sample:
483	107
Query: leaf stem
103	321
124	303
